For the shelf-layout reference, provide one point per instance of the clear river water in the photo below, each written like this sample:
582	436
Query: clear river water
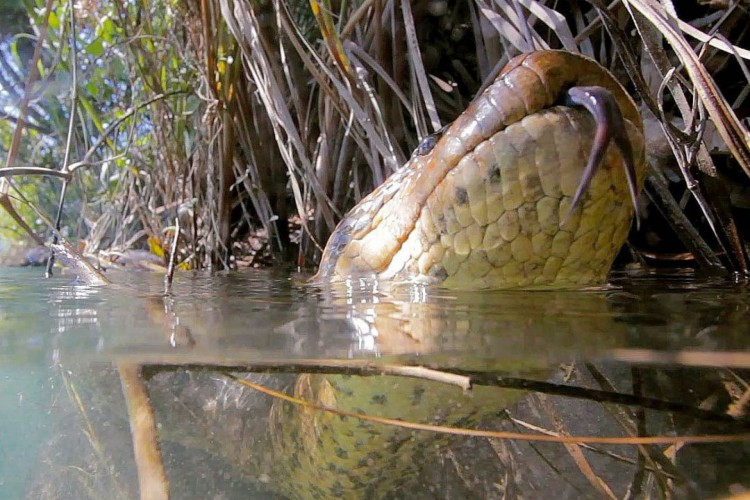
646	355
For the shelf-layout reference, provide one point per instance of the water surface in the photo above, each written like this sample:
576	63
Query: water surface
676	342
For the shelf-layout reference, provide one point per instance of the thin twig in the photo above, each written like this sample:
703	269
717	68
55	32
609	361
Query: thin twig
452	376
659	193
723	116
15	171
637	440
172	258
86	161
69	138
574	450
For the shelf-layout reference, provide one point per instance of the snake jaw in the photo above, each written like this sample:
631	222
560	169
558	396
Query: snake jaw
610	125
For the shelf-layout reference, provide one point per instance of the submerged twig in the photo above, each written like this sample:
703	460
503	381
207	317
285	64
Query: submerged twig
654	457
724	359
151	476
89	430
636	440
574	450
365	368
429	374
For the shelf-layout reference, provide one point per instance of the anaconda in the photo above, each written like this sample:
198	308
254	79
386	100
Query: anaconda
520	191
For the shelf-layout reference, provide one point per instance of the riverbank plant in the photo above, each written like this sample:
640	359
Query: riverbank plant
253	126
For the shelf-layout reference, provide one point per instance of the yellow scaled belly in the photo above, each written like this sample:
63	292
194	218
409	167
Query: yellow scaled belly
502	218
490	205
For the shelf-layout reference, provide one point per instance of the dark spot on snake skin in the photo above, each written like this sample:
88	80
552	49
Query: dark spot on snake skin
345	391
358	483
337	489
494	174
438	272
379	399
462	196
463	422
416	396
531	184
331	468
396	445
342	453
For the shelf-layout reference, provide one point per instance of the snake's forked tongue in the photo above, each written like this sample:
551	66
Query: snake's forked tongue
610	125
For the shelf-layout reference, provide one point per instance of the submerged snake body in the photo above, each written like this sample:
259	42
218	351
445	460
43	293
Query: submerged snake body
490	205
486	207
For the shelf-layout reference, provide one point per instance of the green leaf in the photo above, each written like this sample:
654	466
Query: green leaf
106	30
92	88
54	21
95	48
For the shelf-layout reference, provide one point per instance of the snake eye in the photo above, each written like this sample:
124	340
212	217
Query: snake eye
428	142
339	239
426	145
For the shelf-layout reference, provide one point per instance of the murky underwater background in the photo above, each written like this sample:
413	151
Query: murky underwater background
676	342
